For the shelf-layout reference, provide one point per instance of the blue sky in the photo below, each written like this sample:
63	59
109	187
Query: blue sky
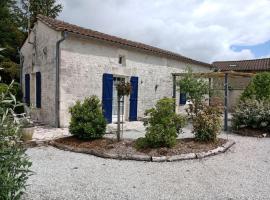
259	50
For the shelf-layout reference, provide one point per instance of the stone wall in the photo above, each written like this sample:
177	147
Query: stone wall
40	57
83	63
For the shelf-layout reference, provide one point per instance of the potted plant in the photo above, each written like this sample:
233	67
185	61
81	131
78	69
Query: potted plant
27	129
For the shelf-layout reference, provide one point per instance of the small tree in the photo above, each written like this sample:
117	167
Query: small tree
206	120
258	88
123	89
195	88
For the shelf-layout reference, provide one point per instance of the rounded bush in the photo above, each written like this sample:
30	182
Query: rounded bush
162	126
87	120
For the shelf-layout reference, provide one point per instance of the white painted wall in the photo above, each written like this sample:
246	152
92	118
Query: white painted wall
41	59
83	63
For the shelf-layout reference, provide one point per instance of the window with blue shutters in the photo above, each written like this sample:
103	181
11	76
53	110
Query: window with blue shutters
27	89
107	96
183	98
38	90
133	98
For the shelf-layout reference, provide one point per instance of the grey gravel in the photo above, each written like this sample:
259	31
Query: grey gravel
243	172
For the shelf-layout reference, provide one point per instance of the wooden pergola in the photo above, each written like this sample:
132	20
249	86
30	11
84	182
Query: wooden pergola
209	75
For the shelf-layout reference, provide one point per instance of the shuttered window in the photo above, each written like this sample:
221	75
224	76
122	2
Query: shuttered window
27	89
107	96
38	89
133	98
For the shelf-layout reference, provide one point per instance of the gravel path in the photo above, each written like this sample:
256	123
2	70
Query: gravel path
243	172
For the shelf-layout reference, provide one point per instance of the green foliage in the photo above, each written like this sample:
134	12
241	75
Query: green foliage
259	87
195	87
44	7
87	120
16	91
207	124
10	71
162	126
14	164
11	35
141	143
252	113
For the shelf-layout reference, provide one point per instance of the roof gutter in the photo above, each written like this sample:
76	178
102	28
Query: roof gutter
57	91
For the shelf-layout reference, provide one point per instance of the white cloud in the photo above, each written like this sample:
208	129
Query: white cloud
200	29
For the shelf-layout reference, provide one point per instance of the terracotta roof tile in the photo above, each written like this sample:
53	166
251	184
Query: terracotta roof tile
244	65
64	26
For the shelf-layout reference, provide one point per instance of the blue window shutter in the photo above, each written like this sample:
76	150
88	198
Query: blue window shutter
38	90
27	89
183	98
133	98
107	96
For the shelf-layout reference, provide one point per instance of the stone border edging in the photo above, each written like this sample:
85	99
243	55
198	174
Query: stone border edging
221	149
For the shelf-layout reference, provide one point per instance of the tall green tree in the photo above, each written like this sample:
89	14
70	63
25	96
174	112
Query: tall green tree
11	35
44	7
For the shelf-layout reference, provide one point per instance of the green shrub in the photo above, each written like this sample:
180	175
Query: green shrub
162	126
14	164
16	91
259	87
252	113
87	120
207	124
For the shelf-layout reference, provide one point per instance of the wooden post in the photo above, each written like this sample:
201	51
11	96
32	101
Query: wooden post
209	92
226	102
118	118
174	92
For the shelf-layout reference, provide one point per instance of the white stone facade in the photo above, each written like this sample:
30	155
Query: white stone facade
82	64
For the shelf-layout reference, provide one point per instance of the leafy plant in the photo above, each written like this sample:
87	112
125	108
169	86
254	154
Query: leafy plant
14	164
207	124
195	88
87	120
162	125
253	114
123	89
258	88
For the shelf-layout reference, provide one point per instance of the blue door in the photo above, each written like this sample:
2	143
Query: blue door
38	90
107	96
133	98
27	89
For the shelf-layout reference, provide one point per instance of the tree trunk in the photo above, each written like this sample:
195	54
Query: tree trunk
118	118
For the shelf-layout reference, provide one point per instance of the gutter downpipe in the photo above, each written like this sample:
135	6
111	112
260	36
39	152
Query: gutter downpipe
57	94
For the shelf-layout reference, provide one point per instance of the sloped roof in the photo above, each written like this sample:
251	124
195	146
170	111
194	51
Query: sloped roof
244	65
64	26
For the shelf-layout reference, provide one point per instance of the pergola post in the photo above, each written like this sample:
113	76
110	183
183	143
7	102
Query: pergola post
226	102
209	88
174	91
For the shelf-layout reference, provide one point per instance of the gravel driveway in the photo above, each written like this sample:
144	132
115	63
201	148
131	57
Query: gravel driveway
243	172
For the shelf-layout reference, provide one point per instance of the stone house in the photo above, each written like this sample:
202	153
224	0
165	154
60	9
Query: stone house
62	63
237	85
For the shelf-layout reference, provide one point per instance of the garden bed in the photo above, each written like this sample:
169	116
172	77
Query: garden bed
186	148
252	132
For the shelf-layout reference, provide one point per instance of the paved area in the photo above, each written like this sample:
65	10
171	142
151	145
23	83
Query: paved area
241	173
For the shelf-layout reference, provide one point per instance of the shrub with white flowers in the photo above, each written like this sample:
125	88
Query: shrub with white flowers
252	113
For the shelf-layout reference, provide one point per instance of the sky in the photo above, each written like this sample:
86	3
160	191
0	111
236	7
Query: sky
205	30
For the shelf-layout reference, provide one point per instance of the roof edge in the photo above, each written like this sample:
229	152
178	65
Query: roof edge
117	40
